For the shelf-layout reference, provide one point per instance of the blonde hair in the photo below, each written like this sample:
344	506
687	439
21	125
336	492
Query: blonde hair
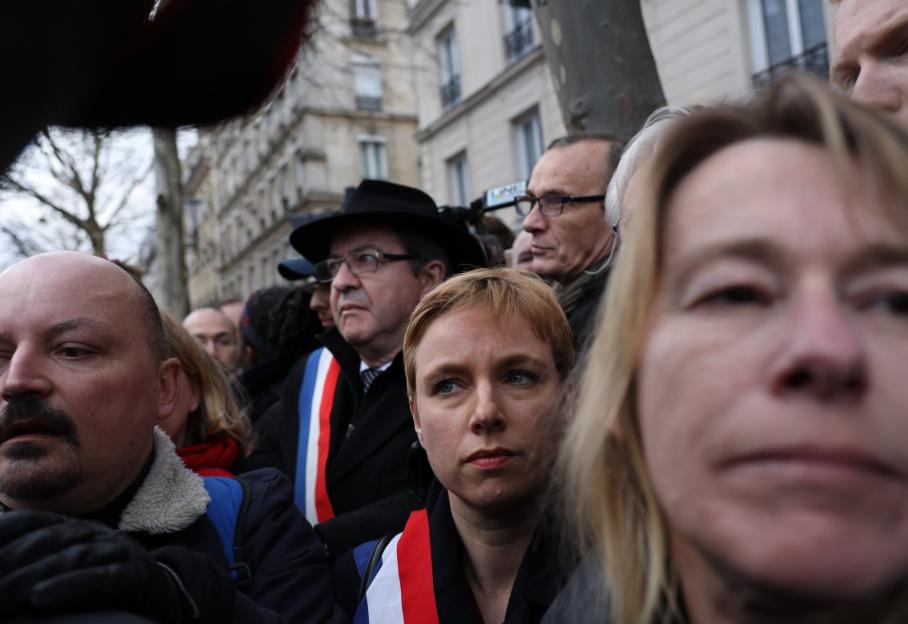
218	411
507	293
607	487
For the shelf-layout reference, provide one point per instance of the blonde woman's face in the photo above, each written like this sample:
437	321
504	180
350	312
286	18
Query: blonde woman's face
772	394
483	397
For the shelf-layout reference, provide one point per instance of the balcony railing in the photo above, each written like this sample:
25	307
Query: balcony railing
363	27
450	92
519	41
368	103
814	60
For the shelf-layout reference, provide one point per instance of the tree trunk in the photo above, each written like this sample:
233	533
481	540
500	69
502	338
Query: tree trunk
172	292
601	63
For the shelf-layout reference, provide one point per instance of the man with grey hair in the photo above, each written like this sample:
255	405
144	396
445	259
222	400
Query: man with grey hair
622	192
572	240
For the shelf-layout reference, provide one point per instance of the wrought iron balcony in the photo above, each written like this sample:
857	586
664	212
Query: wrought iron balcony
450	92
519	41
368	103
814	60
363	27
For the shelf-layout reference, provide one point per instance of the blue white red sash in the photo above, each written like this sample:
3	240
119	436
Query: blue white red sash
401	590
314	408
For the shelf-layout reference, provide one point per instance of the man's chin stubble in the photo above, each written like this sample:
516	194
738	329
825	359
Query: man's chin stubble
24	478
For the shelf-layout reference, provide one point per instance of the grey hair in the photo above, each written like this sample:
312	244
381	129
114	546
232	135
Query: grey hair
639	149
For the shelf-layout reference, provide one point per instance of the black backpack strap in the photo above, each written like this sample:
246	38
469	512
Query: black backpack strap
240	570
369	571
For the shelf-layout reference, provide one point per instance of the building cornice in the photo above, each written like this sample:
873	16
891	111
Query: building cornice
505	77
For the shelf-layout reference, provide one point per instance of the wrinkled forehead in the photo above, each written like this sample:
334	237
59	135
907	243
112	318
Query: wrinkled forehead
861	25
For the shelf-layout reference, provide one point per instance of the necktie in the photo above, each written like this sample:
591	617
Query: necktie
369	376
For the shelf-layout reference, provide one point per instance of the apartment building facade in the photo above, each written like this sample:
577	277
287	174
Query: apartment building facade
454	96
486	102
345	112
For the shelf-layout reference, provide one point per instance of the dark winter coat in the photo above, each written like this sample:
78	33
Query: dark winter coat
290	575
371	434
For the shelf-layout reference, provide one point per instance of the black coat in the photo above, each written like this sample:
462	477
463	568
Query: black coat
535	586
371	434
287	561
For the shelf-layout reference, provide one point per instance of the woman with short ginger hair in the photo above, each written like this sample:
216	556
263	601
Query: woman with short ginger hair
486	354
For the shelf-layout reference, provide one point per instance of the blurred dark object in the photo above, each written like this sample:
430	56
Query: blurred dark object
496	238
107	617
108	63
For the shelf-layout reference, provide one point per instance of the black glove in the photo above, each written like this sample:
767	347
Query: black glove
52	563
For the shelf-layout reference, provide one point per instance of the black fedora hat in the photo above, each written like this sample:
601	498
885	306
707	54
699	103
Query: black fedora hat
393	205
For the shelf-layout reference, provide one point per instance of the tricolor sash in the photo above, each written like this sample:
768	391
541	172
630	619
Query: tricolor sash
314	409
401	590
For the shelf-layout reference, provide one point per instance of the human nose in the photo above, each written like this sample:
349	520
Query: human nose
824	356
535	221
23	375
486	416
345	279
211	346
877	87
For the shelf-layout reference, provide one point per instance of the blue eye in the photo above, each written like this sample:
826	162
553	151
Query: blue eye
521	378
444	386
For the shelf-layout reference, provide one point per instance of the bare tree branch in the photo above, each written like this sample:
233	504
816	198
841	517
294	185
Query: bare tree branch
113	219
83	180
44	200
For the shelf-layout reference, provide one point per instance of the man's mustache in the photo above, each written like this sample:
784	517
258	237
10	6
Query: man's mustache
32	414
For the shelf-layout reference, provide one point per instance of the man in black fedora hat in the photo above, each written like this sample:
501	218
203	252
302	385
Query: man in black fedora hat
342	430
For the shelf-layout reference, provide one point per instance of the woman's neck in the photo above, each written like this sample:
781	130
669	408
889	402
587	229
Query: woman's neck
494	544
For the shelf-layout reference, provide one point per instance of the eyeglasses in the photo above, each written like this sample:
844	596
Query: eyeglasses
359	262
551	204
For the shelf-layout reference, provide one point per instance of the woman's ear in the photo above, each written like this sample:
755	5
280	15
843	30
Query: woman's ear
415	414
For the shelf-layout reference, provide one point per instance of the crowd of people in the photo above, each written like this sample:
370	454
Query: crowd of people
682	401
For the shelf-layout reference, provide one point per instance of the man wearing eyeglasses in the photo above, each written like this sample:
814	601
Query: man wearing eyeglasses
342	430
563	210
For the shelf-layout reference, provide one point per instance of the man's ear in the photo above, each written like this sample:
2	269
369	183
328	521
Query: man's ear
432	274
169	387
415	414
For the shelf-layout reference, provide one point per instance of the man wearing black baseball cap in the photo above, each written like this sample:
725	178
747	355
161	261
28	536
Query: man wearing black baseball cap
342	430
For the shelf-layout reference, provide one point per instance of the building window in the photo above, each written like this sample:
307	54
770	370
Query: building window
268	272
787	34
449	62
287	194
459	180
367	83
518	32
527	142
276	203
373	157
365	17
300	167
